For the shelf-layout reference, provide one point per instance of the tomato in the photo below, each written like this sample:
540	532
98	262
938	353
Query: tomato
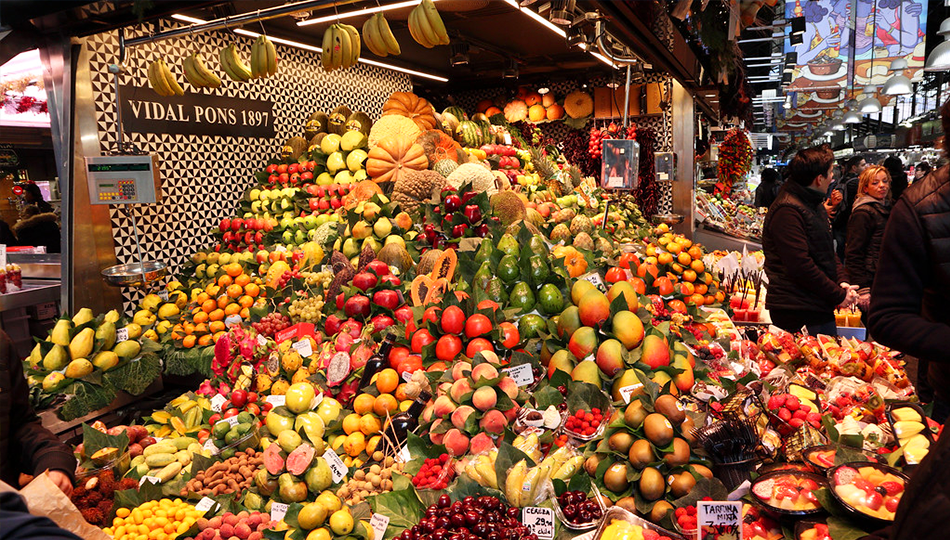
477	325
420	339
677	306
231	412
410	364
203	435
239	398
397	355
510	336
214	419
253	409
453	320
487	304
267	405
432	314
615	274
252	397
638	285
477	345
647	269
448	347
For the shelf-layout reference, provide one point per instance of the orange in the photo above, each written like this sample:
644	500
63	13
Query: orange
246	301
651	251
698	266
205	340
663	240
437	366
201	298
401	392
677	306
252	289
232	309
664	285
638	285
235	291
674	247
208	305
370	425
676	268
245	313
189	341
710	300
707	278
363	404
225	280
686	288
201	317
387	380
234	269
697	299
212	290
201	328
242	279
216	315
689	275
720	296
218	335
696	252
684	258
385	403
687	243
223	300
650	261
216	326
351	423
176	335
664	258
189	328
701	288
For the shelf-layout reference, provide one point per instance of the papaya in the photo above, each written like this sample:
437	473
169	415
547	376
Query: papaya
82	344
56	358
439	286
104	455
83	316
60	333
445	265
276	270
106	334
420	289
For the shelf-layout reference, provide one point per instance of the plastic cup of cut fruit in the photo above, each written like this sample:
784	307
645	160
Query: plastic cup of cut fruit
823	457
858	486
443	478
788	493
811	530
580	525
910	427
597	431
251	439
615	513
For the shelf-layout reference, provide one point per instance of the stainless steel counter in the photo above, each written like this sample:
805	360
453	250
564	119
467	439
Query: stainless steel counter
35	291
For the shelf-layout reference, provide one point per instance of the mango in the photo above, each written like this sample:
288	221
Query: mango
610	357
60	333
78	368
561	360
656	352
568	322
586	372
81	345
83	316
105	334
629	294
105	360
127	349
583	342
683	381
628	328
56	359
902	414
594	308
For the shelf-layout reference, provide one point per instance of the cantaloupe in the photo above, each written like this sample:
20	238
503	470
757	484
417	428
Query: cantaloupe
516	111
578	104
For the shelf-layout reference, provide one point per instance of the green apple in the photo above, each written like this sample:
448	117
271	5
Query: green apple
335	162
330	143
310	221
382	227
343	177
324	179
355	159
287	237
352	140
322	218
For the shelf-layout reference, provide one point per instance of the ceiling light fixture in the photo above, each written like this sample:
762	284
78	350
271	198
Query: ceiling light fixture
576	36
459	54
360	12
939	59
557	30
312	48
851	117
898	84
511	69
561	12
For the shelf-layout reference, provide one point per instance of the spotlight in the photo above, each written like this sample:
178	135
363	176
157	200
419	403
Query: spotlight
798	25
562	12
543	90
511	70
459	54
795	39
786	78
576	36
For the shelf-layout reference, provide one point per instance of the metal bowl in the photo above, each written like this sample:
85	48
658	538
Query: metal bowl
131	275
669	219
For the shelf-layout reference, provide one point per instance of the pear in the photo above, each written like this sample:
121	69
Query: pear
382	227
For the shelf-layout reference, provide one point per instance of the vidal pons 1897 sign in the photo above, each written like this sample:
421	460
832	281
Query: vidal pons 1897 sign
196	114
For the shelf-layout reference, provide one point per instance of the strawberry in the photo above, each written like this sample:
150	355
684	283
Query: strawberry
893	488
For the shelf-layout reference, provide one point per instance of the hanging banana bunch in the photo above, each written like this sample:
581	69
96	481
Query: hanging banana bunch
198	74
232	64
263	58
378	37
162	80
426	26
341	47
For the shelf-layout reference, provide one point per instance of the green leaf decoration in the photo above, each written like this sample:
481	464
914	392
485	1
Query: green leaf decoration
402	508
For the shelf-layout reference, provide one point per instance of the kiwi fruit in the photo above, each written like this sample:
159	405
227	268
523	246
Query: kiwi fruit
615	478
634	414
679	455
591	464
702	470
658	429
628	503
641	453
681	484
620	441
659	511
670	407
652	486
687	428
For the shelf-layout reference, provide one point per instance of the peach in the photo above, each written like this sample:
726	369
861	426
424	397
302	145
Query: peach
456	442
460	416
508	386
445	387
484	398
512	413
436	438
491	357
443	406
427	414
494	422
481	443
610	357
583	342
484	371
459	389
628	328
459	369
594	308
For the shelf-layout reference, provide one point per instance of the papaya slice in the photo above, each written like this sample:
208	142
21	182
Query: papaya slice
436	290
445	265
420	288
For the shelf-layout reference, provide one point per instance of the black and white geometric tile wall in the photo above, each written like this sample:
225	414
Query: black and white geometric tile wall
204	176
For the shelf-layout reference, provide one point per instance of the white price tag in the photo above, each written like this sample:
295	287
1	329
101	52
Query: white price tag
379	523
232	421
403	454
337	467
507	137
122	334
163	294
278	511
596	280
261	340
522	374
627	391
205	504
540	521
276	401
316	401
217	402
209	446
3	255
406	376
716	519
152	479
303	348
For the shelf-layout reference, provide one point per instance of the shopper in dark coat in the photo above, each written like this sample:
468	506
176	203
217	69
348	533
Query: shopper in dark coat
25	445
921	170
866	231
38	229
19	524
895	167
806	279
848	187
768	189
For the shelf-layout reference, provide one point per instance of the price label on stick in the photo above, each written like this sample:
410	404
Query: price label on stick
152	479
205	504
217	402
338	469
231	421
719	519
303	348
626	392
276	401
595	280
278	511
540	521
163	294
521	374
122	334
404	455
261	340
379	524
209	446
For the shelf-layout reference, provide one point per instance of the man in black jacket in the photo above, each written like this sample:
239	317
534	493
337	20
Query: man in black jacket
848	187
25	445
806	279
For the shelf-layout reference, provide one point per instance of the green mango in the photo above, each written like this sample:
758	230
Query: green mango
509	245
522	297
483	276
539	271
550	299
496	291
537	244
56	358
508	269
484	251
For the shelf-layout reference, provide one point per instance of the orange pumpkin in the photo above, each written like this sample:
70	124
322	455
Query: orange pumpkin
573	260
393	157
439	146
411	106
363	191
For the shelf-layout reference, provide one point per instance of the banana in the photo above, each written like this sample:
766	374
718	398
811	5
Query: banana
486	469
256	58
156	81
171	80
530	485
386	35
346	48
202	70
435	21
224	58
355	47
371	38
326	56
415	31
567	470
271	57
425	27
238	69
514	482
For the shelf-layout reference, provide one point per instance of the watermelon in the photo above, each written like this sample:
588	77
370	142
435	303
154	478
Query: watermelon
487	135
456	111
469	134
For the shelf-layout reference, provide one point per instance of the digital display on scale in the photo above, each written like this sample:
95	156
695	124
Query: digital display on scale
118	167
123	179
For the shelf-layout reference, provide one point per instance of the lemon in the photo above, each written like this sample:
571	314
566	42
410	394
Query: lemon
312	516
319	534
330	501
341	522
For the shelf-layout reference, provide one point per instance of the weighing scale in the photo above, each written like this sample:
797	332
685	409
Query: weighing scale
127	180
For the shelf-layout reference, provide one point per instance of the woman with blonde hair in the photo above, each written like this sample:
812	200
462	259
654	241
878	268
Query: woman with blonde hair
866	230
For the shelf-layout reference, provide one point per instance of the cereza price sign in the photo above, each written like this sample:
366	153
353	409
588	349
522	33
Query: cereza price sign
196	114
